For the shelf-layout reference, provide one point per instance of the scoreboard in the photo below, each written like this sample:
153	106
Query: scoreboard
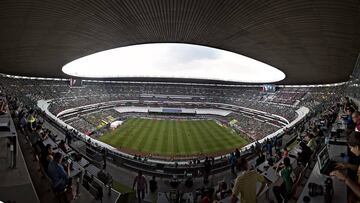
75	82
268	88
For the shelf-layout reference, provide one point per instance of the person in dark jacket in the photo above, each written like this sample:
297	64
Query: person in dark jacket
153	184
305	154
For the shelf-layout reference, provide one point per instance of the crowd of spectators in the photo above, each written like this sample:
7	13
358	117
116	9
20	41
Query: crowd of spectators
51	160
65	97
287	96
89	122
253	128
81	125
309	141
107	115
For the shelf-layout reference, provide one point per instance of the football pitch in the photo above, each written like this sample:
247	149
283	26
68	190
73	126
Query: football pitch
173	137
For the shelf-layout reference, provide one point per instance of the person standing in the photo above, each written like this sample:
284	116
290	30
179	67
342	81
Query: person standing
57	173
68	137
207	170
153	185
282	192
104	158
141	186
232	161
31	121
237	153
269	147
311	142
245	184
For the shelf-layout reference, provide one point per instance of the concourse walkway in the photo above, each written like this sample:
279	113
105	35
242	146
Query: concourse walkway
15	183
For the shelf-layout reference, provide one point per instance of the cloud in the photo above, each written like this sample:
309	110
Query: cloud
185	53
173	60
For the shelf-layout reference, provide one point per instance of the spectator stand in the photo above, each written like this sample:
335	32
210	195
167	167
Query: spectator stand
138	168
8	131
78	166
87	173
14	174
44	106
225	100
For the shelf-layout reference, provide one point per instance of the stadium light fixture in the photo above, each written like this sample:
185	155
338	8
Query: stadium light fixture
173	60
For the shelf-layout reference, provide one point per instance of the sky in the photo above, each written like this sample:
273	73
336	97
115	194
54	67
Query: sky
173	60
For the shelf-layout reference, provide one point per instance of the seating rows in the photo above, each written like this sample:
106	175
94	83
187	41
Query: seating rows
41	141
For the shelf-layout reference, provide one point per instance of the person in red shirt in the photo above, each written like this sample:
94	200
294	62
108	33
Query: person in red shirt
356	119
205	199
285	152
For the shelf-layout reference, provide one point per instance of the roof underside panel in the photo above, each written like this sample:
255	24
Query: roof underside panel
312	42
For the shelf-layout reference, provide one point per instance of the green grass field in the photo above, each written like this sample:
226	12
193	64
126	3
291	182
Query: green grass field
173	137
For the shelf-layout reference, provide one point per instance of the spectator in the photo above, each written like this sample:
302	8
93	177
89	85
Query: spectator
237	153
283	192
305	154
23	123
222	191
354	145
31	121
356	119
68	137
207	170
245	184
269	147
44	135
345	103
141	186
205	199
3	107
232	161
104	156
311	142
278	153
285	152
57	173
350	124
46	157
62	146
153	185
260	159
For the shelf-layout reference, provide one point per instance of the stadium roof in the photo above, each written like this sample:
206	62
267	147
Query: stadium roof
310	41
